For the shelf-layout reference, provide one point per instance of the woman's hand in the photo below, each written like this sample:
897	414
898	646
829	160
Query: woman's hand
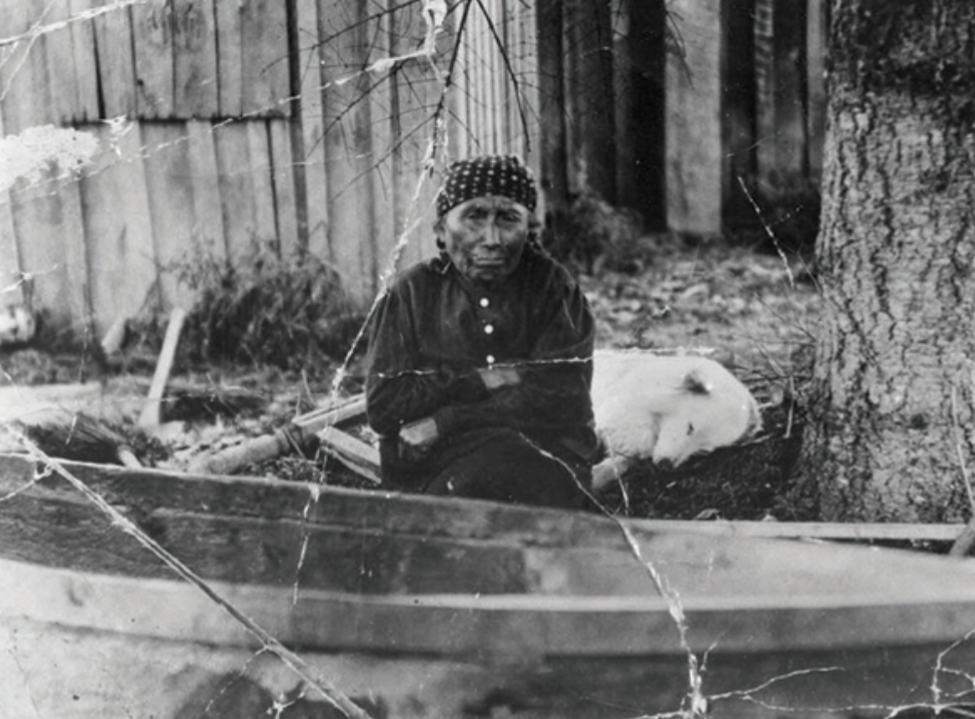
416	438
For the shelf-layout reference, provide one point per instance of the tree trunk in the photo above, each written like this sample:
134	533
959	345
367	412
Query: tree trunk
891	435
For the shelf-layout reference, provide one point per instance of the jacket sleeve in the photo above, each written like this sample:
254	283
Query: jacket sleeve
399	388
555	378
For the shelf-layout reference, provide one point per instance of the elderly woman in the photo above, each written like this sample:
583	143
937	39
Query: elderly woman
480	360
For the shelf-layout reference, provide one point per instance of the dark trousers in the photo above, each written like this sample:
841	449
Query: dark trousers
504	465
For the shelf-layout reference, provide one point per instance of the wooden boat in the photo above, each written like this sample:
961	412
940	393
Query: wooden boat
142	593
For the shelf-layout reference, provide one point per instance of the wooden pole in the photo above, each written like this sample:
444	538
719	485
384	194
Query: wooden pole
150	416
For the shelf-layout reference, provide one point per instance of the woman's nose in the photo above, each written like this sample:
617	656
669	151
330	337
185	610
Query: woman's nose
492	235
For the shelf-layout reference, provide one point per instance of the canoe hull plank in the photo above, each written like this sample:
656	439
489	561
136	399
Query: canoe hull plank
72	674
424	607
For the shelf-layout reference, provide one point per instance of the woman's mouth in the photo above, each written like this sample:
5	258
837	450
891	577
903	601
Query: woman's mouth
489	261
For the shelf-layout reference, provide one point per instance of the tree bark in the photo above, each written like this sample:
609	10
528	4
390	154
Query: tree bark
891	434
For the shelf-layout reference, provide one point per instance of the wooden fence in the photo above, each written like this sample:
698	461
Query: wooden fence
228	123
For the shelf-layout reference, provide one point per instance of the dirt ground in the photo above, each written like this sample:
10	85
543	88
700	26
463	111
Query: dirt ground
753	310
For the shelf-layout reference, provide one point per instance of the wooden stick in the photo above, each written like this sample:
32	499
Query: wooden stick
355	454
963	544
825	531
261	449
150	416
965	540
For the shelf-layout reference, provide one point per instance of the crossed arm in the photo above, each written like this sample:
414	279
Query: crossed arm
421	403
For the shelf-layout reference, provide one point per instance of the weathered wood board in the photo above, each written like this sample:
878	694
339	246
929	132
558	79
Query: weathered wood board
172	206
195	79
152	43
123	266
694	157
440	607
116	62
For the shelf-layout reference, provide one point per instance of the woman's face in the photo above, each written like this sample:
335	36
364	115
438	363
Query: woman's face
485	237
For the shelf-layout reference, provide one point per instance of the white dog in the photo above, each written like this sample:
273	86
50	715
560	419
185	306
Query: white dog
665	408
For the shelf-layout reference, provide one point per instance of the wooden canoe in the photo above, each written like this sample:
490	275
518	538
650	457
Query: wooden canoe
425	607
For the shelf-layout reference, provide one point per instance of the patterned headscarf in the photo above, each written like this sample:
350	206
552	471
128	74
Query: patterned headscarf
500	175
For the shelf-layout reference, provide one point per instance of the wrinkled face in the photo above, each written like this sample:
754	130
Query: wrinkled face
485	237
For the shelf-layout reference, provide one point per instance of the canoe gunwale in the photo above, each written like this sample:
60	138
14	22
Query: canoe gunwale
114	479
530	619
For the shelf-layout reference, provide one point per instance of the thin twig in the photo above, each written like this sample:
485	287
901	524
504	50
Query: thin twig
768	230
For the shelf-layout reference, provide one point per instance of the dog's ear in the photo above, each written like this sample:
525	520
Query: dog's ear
694	383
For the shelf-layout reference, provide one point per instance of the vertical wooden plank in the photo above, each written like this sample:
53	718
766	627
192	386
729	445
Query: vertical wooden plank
36	211
531	84
24	82
381	140
693	124
459	97
400	196
11	289
782	148
415	94
648	23
118	228
229	56
208	229
75	299
195	68
472	90
500	46
351	229
499	79
482	81
481	131
514	78
259	150
264	73
83	59
310	155
61	65
285	201
493	109
816	85
236	188
116	65
589	98
172	206
739	108
38	222
152	32
61	220
11	292
489	106
553	143
463	83
624	110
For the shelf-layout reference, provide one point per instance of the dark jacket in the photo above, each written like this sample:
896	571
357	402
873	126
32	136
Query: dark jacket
431	331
